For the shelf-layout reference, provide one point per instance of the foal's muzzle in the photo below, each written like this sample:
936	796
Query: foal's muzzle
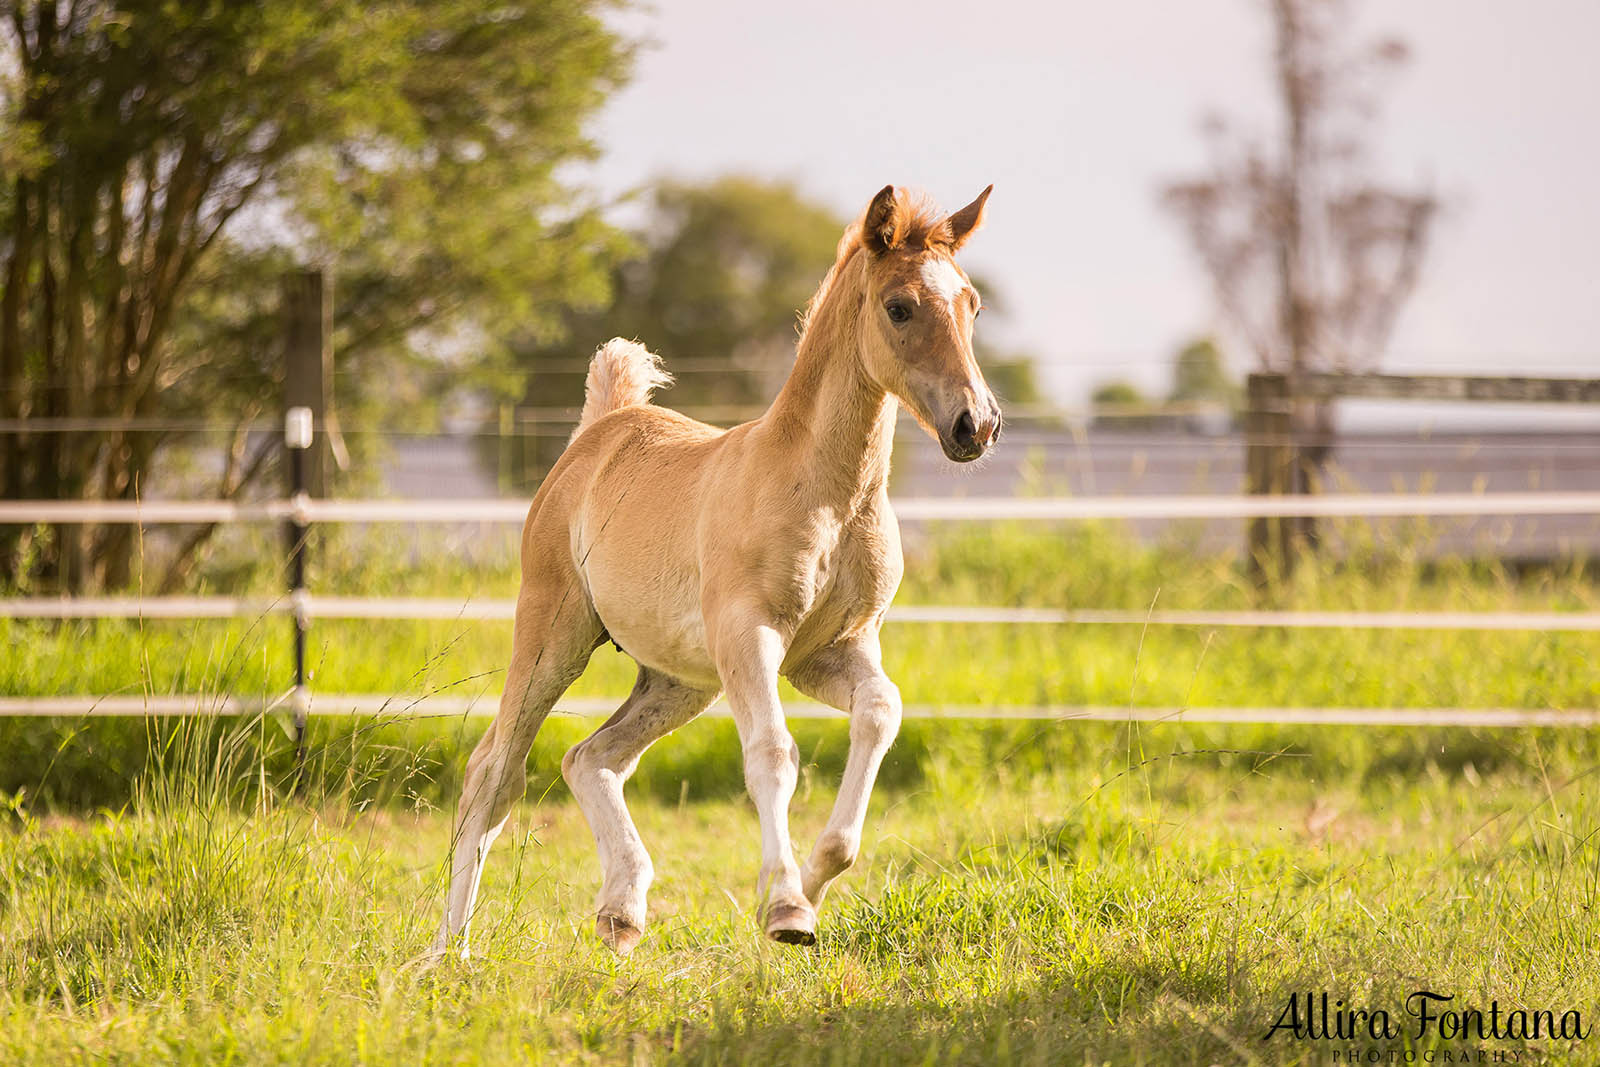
974	430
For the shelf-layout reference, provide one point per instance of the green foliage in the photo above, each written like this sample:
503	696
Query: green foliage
455	217
1118	394
720	273
1200	373
1012	376
1124	406
168	160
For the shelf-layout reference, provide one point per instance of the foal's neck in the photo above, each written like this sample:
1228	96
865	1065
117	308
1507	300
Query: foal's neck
834	423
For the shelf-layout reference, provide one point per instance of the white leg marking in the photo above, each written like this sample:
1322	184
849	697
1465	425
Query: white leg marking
874	721
771	762
596	768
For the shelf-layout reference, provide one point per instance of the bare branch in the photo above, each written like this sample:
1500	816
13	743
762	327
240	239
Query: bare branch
1310	258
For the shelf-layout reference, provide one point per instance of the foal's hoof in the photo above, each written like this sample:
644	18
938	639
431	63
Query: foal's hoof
620	936
792	924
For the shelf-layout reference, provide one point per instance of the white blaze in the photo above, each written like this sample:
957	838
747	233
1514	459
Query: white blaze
941	278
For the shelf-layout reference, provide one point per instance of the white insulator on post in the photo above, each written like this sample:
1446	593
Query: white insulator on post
300	508
297	427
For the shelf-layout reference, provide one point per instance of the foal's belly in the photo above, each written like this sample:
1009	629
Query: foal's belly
658	623
647	595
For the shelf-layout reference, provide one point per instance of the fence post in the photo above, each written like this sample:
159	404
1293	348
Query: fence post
1270	471
308	363
297	437
307	395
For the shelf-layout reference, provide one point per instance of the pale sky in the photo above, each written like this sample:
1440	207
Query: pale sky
1077	111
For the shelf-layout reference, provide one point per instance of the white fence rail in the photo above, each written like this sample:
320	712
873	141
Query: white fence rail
1242	506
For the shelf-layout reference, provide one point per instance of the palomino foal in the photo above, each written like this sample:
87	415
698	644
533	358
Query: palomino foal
721	559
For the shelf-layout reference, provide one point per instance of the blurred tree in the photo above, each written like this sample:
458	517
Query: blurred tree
1121	405
1200	374
1012	376
721	274
1310	256
162	163
1118	395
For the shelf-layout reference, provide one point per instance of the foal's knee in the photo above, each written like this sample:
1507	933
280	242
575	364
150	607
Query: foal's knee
875	712
771	755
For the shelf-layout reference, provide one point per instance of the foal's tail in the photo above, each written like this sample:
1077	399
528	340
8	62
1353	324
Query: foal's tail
621	374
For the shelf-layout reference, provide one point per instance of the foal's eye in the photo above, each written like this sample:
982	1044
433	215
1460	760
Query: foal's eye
898	312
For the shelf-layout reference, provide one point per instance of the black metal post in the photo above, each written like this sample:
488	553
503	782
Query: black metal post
297	435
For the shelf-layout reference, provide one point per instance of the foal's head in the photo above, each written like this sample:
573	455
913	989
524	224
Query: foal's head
916	328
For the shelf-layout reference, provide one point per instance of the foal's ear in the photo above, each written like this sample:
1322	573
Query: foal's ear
964	223
883	227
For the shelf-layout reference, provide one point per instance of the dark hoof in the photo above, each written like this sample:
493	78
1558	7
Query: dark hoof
792	924
620	936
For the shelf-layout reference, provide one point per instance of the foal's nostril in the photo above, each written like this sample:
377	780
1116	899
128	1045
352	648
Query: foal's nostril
966	431
999	422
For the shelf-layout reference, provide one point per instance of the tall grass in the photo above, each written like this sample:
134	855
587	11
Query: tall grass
89	762
1103	894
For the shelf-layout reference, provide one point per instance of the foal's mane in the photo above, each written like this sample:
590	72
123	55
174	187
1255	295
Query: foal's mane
924	230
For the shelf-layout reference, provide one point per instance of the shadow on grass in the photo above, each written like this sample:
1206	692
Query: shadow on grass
1120	1011
1125	1007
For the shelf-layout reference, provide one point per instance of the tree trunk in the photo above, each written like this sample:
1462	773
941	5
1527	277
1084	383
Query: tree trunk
1295	306
14	399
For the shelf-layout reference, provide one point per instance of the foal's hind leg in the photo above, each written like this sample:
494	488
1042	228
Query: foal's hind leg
596	769
849	677
554	634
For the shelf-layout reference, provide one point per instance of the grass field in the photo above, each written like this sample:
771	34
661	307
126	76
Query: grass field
1028	892
1071	910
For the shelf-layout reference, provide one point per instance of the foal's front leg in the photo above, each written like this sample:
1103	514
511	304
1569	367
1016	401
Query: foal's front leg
849	676
748	659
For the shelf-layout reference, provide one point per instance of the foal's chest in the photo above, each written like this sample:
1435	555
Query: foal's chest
851	583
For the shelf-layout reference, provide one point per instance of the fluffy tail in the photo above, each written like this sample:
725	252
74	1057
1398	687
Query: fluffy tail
622	373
